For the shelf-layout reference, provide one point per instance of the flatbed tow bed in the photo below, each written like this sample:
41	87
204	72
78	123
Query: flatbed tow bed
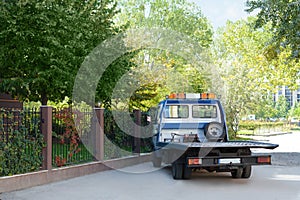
190	133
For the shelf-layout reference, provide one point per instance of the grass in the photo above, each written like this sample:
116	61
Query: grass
63	151
237	138
245	132
295	128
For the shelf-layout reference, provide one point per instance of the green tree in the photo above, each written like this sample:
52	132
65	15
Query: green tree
238	49
282	107
265	109
284	18
43	43
178	15
295	111
158	71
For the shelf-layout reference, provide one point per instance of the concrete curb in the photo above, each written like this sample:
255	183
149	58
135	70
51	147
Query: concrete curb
23	181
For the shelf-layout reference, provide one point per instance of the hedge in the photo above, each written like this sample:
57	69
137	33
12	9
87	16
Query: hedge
252	125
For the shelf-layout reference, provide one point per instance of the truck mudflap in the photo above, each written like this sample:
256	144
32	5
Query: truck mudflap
229	144
238	161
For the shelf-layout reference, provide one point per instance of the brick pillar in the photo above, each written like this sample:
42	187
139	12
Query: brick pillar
99	138
46	129
137	132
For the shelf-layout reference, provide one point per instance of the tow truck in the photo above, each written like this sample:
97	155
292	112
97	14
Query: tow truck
190	133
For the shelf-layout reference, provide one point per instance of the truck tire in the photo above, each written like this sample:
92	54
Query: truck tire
214	131
247	171
177	171
156	161
237	173
187	172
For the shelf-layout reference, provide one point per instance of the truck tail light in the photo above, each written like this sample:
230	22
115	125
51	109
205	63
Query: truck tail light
264	159
195	161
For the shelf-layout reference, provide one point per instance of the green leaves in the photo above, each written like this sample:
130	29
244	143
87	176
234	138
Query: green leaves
44	43
285	21
22	152
158	72
239	51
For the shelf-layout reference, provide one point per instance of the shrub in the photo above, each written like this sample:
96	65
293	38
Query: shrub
20	147
252	125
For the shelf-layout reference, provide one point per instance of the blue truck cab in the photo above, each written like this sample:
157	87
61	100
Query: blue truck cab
190	132
181	118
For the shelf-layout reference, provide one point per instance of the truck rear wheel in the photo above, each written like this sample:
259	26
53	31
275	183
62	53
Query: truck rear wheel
247	171
187	172
177	170
237	173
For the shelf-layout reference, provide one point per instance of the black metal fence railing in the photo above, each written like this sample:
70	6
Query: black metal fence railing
27	120
68	127
21	141
121	134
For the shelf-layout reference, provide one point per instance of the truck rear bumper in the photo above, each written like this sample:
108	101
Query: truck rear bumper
238	161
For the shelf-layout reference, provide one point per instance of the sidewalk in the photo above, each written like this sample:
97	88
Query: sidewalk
260	135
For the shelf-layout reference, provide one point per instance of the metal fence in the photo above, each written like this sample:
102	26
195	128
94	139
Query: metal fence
27	120
21	141
67	145
119	130
73	135
72	130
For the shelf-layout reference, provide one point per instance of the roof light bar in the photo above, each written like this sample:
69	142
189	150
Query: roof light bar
191	96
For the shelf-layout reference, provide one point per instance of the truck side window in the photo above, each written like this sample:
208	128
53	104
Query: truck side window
176	111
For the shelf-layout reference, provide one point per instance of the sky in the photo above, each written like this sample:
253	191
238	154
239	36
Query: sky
219	11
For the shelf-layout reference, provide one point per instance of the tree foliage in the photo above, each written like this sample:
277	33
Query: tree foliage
284	18
282	107
249	74
44	42
295	111
177	15
238	48
158	71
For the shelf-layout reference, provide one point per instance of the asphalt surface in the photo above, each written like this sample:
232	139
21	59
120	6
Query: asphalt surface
272	182
279	181
288	152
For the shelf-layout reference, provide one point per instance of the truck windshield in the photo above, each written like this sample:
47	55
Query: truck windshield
204	111
176	111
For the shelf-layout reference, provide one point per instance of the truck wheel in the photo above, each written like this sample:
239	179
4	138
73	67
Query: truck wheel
187	172
156	161
237	173
247	172
177	170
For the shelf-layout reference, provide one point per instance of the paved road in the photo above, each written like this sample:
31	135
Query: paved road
287	142
267	183
288	152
